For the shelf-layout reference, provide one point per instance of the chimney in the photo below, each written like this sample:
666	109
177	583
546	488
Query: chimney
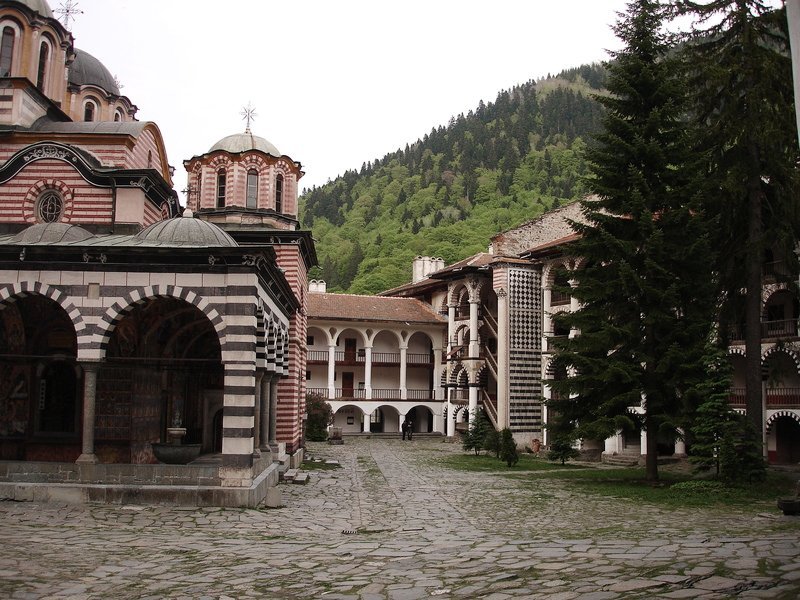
317	286
424	266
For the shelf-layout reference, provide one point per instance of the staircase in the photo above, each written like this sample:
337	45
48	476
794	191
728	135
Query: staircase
630	457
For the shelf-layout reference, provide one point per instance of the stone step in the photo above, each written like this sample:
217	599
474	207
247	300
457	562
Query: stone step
289	475
301	479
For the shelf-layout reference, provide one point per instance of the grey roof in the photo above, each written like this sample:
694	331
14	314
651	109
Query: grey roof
87	70
51	233
40	6
132	128
186	231
242	142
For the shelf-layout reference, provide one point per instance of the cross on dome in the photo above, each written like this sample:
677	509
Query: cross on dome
249	115
68	9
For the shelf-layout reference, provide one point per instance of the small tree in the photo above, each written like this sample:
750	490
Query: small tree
491	443
561	448
318	416
508	448
475	436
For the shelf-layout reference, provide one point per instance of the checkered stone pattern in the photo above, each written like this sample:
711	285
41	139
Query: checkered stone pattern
525	352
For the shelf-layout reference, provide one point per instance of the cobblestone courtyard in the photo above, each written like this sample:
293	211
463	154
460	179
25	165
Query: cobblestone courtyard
392	523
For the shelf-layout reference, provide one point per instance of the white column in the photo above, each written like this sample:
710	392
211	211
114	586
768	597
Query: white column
643	442
451	422
437	373
473	404
368	372
574	305
547	320
502	359
401	418
403	370
367	416
474	344
680	445
89	403
451	326
331	372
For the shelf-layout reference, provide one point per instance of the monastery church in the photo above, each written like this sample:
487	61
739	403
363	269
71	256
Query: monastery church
151	353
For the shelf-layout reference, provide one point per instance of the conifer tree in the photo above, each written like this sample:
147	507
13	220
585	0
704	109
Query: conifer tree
740	72
645	286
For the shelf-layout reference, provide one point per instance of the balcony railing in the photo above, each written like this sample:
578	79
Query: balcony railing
378	394
559	298
781	328
413	359
778	397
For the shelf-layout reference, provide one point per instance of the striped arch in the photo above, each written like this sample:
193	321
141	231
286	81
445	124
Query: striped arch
261	340
736	351
11	292
138	296
550	268
793	354
792	414
455	372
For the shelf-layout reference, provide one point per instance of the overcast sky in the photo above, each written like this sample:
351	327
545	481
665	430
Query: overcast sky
335	83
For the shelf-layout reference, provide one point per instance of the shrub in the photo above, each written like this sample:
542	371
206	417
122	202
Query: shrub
561	448
491	442
318	416
508	448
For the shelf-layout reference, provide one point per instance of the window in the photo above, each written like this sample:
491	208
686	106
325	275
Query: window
117	115
6	51
220	188
279	193
44	55
50	207
309	340
308	375
89	110
57	409
252	188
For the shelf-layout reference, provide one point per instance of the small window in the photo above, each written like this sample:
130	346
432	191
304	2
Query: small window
279	193
220	188
89	111
308	375
6	51
117	116
252	188
309	340
44	55
50	207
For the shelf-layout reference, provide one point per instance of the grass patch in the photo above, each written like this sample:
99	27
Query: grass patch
486	463
676	489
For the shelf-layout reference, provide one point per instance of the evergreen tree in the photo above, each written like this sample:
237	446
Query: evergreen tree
508	448
645	286
741	74
491	443
475	436
561	448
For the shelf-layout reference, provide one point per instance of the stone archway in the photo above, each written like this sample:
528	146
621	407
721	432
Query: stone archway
40	380
163	369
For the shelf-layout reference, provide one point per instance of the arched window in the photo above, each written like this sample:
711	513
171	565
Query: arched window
252	188
279	193
89	111
44	56
118	115
50	207
220	188
6	51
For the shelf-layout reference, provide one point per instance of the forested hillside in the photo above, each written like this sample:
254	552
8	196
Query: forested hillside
445	195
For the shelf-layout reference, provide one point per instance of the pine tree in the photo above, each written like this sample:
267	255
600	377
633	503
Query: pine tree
741	75
508	448
645	286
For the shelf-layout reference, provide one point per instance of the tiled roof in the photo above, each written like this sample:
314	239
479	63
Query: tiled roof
348	307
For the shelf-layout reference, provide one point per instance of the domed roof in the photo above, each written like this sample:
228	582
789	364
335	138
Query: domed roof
87	70
242	142
40	6
51	233
186	231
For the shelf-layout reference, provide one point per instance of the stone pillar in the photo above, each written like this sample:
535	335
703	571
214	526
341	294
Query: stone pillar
257	416
643	442
403	372
265	413
238	415
502	358
474	339
547	319
451	421
680	445
331	372
473	403
574	305
367	423
451	326
89	399
273	413
437	374
368	372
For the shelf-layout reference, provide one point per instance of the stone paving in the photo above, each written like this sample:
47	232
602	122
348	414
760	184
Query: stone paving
394	524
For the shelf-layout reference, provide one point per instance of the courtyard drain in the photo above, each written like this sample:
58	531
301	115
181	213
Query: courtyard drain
349	531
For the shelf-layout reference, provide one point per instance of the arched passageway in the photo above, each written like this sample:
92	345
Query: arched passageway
163	369
787	441
40	382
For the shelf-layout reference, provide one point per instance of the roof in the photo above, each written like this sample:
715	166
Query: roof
553	244
186	231
87	70
132	128
349	307
39	6
242	142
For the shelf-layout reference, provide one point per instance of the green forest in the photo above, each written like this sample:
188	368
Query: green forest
446	194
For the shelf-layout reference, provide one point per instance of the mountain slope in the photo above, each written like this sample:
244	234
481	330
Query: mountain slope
449	192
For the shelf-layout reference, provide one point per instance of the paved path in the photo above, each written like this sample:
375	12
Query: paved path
393	524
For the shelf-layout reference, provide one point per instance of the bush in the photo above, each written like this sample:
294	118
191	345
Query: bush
318	416
475	436
508	448
561	449
491	442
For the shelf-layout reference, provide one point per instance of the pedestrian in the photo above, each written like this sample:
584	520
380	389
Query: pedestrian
405	429
410	429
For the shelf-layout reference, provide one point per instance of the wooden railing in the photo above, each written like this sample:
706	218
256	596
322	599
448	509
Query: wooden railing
777	397
378	394
490	407
781	328
360	357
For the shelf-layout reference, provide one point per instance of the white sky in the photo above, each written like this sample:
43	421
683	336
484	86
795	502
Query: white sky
335	83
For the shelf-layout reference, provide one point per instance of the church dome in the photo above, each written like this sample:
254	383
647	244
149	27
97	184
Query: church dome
39	6
242	142
186	231
87	70
51	233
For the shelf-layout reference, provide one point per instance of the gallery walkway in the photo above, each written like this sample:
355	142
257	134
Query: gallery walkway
392	523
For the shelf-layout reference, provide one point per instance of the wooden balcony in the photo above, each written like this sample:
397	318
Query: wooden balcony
779	329
378	394
778	397
379	359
